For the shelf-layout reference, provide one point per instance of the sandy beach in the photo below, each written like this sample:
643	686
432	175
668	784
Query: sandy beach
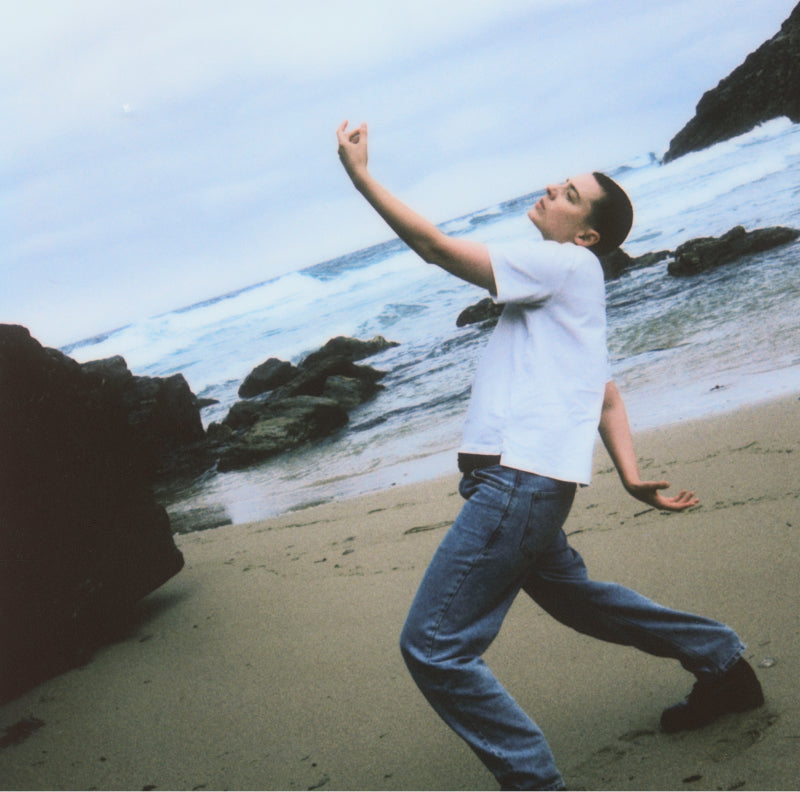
271	660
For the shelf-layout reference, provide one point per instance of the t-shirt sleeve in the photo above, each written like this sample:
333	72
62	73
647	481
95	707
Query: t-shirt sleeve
529	272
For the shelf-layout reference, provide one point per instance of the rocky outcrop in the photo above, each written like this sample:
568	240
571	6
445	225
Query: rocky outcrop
351	348
81	536
485	310
253	432
296	404
163	414
704	253
765	86
312	378
335	358
618	262
269	375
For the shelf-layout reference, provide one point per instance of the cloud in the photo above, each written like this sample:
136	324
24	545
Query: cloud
157	153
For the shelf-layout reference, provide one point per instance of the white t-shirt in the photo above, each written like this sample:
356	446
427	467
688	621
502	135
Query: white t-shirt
538	390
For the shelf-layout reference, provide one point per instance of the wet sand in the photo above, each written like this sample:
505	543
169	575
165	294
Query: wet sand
271	660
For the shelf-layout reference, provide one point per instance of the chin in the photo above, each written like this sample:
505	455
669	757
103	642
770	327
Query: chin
533	216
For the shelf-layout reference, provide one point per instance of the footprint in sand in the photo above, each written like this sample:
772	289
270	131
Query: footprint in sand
610	754
746	735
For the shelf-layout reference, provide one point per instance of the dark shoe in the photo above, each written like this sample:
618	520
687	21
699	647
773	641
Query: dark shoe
737	690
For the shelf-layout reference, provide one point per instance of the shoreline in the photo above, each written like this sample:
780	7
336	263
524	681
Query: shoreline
271	660
249	495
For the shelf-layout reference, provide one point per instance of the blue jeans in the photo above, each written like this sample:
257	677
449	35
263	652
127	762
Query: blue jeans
508	537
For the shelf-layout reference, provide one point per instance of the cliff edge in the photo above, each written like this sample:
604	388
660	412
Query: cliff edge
765	86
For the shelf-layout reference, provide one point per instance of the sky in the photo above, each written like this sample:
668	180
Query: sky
159	153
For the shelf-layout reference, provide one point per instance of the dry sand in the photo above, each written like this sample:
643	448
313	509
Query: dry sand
271	660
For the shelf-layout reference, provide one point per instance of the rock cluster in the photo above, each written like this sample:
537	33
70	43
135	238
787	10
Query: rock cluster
765	86
704	253
82	537
286	405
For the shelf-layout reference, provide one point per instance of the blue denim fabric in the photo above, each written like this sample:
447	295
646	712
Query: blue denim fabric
507	538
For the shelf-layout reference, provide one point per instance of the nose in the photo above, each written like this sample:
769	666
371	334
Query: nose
551	190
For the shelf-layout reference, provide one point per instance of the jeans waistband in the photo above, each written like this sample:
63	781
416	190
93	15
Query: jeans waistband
469	462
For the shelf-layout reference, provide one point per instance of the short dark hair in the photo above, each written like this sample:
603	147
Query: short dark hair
611	215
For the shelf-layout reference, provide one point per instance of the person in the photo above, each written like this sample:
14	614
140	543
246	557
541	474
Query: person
539	395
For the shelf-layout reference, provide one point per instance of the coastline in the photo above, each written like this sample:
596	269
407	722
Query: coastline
271	661
300	478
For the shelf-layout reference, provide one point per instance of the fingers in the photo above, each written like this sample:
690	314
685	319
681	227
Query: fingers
353	136
357	134
683	500
648	491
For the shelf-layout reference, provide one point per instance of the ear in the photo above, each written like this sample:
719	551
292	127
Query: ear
587	237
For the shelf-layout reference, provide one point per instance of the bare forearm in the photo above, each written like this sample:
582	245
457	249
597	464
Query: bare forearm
462	258
421	235
615	432
467	260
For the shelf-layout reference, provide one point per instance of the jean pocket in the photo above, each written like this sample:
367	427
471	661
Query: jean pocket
546	517
496	476
492	477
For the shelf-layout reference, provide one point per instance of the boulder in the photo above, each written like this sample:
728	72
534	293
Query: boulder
618	262
349	392
351	348
163	413
335	359
269	375
486	310
615	263
292	405
311	377
765	86
82	538
272	427
703	253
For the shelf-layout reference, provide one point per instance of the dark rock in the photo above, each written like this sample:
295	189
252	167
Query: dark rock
349	392
615	263
484	311
648	259
163	413
218	434
81	536
765	86
297	404
351	348
619	262
312	377
698	255
281	425
242	415
164	410
269	375
335	359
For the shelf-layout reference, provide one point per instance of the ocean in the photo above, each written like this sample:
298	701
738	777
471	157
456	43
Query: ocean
680	348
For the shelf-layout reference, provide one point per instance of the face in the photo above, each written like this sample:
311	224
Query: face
563	214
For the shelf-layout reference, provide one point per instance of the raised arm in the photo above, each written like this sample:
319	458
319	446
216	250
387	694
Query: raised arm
463	258
615	431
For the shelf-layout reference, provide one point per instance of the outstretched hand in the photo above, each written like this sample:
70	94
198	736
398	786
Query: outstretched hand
353	148
648	492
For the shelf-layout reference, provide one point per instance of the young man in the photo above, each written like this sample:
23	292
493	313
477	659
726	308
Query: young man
540	392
